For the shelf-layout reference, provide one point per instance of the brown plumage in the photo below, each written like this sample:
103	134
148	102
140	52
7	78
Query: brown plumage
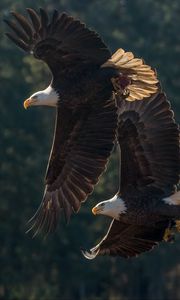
150	168
78	158
128	240
149	141
85	79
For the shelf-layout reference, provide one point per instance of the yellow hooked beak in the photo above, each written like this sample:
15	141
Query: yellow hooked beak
28	102
95	210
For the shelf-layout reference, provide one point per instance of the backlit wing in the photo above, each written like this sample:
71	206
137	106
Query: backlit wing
137	80
62	42
83	141
149	142
127	240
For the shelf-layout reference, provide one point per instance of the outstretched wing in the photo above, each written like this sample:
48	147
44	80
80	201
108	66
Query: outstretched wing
62	42
128	240
84	135
83	142
149	142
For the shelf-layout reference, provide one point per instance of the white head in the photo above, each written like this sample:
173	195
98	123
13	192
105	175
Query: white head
112	207
47	97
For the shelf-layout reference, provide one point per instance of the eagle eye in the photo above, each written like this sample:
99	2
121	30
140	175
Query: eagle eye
34	97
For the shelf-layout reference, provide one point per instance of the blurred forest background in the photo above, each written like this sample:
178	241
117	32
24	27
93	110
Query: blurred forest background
53	268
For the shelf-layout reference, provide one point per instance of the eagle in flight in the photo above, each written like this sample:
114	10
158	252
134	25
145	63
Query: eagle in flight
88	83
147	206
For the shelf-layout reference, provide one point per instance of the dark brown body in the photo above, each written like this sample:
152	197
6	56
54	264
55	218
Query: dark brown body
88	85
148	208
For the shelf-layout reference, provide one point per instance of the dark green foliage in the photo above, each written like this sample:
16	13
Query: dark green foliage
38	269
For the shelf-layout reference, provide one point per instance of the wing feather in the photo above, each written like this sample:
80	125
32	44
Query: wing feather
18	42
59	39
19	32
24	24
149	141
79	155
137	79
34	19
128	240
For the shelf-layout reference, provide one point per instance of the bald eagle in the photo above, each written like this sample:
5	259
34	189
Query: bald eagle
148	204
85	79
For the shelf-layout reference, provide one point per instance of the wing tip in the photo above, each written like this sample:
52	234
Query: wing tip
90	254
87	254
44	221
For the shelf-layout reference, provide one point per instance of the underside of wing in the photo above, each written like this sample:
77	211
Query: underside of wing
59	39
137	80
84	139
149	142
128	240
